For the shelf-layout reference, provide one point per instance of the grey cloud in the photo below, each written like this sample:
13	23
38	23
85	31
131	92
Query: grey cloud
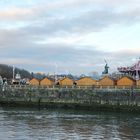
20	48
21	43
44	56
90	21
101	14
68	57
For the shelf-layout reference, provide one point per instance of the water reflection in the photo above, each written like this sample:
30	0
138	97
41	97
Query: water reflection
30	124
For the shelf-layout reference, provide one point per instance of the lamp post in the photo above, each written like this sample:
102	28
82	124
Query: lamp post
13	74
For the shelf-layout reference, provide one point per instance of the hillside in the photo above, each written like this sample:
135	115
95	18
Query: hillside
7	72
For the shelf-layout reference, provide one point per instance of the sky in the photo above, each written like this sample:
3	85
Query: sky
69	36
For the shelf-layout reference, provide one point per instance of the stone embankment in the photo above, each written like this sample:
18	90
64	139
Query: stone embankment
72	97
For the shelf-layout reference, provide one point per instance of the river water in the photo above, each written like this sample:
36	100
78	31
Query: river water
58	124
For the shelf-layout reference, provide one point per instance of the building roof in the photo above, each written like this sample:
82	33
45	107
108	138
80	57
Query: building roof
85	77
107	77
65	78
130	78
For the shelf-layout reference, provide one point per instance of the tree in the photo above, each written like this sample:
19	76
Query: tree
6	71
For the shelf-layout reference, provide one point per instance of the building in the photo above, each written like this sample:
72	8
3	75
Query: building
106	81
46	82
85	81
126	81
34	82
65	82
17	79
138	83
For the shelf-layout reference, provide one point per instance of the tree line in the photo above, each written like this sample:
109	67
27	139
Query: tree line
6	71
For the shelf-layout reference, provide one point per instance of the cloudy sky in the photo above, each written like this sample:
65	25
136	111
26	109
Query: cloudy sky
69	36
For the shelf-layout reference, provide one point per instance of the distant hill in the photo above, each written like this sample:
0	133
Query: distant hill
7	72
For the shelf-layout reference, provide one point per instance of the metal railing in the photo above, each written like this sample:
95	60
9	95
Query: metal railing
66	87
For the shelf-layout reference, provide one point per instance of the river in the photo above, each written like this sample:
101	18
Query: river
59	124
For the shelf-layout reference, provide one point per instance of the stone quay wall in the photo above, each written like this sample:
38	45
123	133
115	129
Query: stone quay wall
73	97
